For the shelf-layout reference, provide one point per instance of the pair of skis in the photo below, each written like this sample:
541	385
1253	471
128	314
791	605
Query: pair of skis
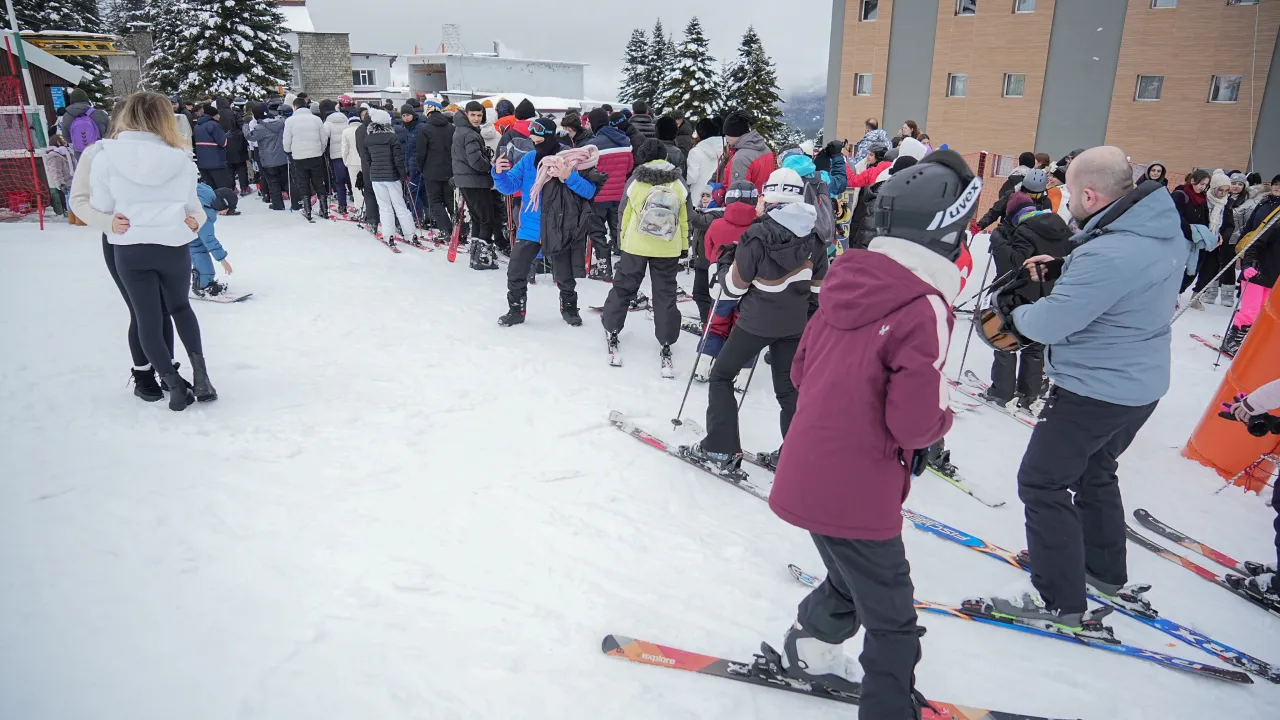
971	386
1212	346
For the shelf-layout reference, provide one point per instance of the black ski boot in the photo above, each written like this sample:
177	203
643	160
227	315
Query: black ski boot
200	384
515	312
729	464
668	364
939	458
640	302
1234	339
324	207
195	283
770	459
145	385
569	310
180	394
612	345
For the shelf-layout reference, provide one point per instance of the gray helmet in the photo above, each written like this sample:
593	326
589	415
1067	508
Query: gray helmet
1035	181
930	203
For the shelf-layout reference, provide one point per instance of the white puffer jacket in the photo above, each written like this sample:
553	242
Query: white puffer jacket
703	159
304	135
154	185
333	127
350	156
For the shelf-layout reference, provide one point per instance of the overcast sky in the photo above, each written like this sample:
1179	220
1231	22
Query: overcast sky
795	32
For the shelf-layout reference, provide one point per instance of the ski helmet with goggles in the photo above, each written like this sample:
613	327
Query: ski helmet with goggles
930	203
1035	181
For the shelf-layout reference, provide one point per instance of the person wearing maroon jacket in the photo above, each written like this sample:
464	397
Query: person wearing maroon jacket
873	397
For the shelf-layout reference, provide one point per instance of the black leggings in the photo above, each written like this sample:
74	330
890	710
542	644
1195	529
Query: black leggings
135	346
155	277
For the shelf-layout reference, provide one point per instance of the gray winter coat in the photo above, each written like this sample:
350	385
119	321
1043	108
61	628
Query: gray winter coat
75	110
1106	323
470	155
269	134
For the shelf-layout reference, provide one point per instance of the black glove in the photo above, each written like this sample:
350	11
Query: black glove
919	461
360	181
725	259
1051	271
1007	299
1258	425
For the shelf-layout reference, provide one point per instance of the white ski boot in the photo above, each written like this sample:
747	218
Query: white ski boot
702	371
806	657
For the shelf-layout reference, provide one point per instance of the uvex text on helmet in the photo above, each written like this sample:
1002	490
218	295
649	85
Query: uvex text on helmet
930	203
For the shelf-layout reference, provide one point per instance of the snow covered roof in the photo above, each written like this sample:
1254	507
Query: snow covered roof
437	58
540	102
296	17
40	58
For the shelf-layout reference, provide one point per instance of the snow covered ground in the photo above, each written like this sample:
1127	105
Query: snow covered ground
399	509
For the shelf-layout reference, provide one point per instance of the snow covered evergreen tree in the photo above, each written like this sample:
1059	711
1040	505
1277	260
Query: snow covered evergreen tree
172	31
657	68
77	16
635	67
726	92
753	83
692	92
122	17
226	47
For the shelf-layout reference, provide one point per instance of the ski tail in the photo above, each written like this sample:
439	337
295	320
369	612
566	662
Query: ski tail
1149	521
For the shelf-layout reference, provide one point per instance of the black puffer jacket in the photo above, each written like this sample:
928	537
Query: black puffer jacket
567	218
645	125
237	145
471	157
1044	234
1264	252
382	158
435	147
684	138
780	260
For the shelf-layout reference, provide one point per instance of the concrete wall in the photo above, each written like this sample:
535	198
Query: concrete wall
831	115
531	77
324	63
1266	145
379	64
1084	48
910	64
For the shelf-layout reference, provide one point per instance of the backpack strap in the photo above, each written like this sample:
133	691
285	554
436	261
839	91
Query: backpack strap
1118	208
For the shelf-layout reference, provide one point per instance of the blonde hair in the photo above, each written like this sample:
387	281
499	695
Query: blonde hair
147	112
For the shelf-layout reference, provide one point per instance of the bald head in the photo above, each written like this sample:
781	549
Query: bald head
1096	178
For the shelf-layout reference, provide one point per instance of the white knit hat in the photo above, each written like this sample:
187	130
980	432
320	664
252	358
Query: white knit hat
783	186
378	116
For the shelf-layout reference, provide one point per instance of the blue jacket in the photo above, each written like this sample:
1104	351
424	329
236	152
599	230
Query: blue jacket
408	135
210	141
839	180
205	240
1106	323
519	179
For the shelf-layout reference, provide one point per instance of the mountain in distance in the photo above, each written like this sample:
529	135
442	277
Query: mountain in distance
805	110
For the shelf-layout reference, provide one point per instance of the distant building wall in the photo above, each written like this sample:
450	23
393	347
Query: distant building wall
324	64
495	74
1266	146
910	62
865	50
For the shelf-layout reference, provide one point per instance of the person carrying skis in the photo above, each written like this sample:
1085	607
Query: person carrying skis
383	161
775	267
1254	409
655	233
523	177
1106	326
206	248
872	359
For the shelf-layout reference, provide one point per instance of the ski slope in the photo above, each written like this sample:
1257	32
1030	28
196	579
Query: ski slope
399	509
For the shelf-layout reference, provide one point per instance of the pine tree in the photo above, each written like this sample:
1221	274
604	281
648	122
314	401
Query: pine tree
692	93
77	16
657	65
754	84
635	66
172	25
227	48
122	17
727	90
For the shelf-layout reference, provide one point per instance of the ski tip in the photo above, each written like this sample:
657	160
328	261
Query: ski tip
612	644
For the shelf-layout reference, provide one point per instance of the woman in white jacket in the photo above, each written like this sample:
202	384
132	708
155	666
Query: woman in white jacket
704	157
139	188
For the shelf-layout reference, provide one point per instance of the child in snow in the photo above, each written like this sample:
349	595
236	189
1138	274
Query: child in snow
739	212
216	202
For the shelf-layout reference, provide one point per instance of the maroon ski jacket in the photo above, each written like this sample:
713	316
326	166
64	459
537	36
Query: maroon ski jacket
872	391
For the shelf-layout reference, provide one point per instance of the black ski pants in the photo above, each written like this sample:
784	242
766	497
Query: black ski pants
437	191
310	176
1211	263
240	173
217	178
480	204
869	585
1074	512
502	231
276	176
604	231
521	265
156	278
1026	366
722	405
166	327
370	201
627	275
702	292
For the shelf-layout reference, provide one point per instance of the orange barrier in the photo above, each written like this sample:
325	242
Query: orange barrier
1225	445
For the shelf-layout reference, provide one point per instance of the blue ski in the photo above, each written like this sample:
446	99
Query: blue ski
1223	652
965	613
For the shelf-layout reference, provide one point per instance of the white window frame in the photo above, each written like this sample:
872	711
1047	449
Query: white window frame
1018	8
1137	97
1163	4
1214	83
370	73
862	11
966	8
858	88
951	78
1004	92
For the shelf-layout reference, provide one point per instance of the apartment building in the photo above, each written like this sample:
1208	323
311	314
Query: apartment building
1190	83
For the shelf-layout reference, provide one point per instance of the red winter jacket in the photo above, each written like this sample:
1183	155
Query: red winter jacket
868	177
869	371
616	163
749	159
727	230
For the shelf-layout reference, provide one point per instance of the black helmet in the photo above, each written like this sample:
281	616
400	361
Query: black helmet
930	203
1035	181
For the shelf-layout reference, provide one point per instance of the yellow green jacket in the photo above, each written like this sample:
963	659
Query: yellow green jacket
634	240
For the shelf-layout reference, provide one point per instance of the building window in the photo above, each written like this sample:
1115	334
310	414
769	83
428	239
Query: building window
1225	88
862	84
957	83
966	7
1014	84
870	10
1024	6
364	78
1157	4
1149	88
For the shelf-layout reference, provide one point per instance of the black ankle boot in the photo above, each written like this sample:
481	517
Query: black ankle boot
515	312
200	385
569	310
145	385
180	396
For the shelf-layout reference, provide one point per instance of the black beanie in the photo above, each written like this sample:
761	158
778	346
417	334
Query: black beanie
505	108
525	110
902	163
667	128
259	111
225	199
737	124
617	119
327	106
598	119
708	127
210	110
542	126
474	106
1275	180
407	109
651	150
742	191
1027	159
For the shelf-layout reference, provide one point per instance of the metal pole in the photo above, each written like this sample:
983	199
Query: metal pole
977	299
706	328
1231	321
26	71
747	387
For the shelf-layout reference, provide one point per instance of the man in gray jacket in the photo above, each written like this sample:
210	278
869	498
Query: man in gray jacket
1106	327
471	162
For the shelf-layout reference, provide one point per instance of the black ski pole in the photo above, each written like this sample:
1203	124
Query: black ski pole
978	300
1230	322
747	387
702	344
